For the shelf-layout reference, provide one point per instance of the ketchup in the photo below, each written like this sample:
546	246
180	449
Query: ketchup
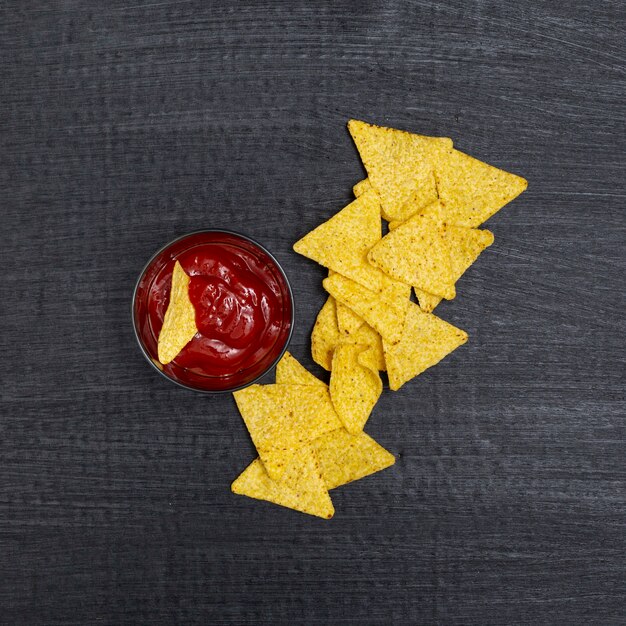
242	304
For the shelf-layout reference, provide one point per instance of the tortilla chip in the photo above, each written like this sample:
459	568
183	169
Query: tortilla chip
179	323
395	224
282	418
471	190
290	372
383	313
355	385
325	335
260	411
302	487
399	165
342	243
344	457
417	253
425	341
466	244
361	187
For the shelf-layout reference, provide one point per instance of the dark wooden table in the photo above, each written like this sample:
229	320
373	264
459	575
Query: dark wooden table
125	124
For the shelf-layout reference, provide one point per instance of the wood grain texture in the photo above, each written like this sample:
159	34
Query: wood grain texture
124	124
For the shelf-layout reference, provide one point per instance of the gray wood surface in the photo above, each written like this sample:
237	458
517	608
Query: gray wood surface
125	124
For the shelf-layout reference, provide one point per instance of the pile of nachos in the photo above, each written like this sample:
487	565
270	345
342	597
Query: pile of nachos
310	435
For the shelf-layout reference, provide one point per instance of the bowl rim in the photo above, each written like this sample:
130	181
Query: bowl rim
254	243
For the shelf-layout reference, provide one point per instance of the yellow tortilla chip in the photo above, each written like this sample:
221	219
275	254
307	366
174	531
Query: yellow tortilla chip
342	243
290	372
325	335
302	487
425	341
399	165
417	253
361	187
179	323
383	313
283	418
344	457
471	190
355	385
466	244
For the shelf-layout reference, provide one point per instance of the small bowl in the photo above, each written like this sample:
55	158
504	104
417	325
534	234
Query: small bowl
147	310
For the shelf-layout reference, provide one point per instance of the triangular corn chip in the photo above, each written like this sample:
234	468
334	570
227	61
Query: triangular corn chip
417	253
361	187
425	341
283	418
179	323
344	457
471	190
355	385
466	244
290	372
342	243
399	165
302	487
381	311
325	335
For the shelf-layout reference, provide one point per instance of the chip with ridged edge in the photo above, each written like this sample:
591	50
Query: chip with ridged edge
341	244
399	165
425	341
417	253
302	487
471	190
282	418
355	385
344	457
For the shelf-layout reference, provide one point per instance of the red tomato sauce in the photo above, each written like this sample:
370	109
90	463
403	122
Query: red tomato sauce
242	303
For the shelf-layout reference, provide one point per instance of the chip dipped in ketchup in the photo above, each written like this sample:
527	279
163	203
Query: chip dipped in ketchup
243	310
